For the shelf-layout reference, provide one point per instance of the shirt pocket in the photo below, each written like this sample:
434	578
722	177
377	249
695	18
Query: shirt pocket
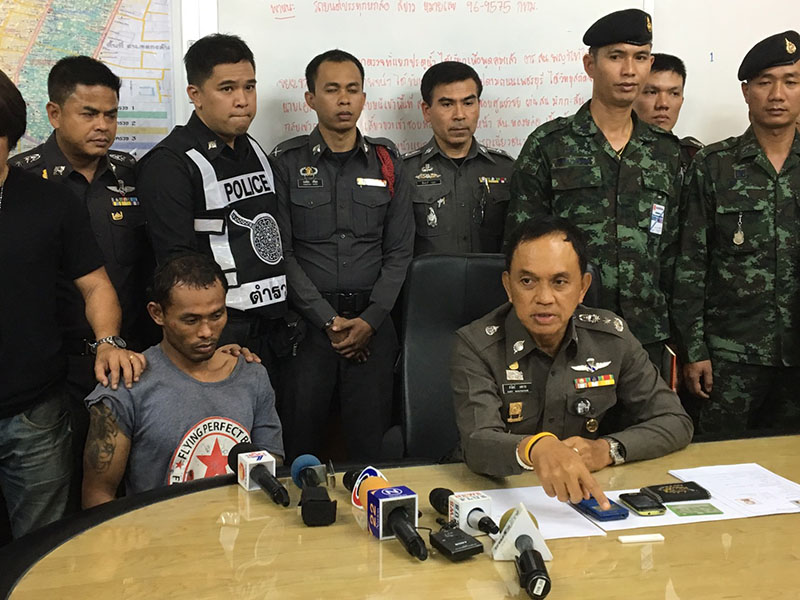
744	226
493	203
601	400
432	212
312	215
576	190
128	235
369	207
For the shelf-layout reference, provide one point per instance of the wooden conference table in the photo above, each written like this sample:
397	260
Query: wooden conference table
225	543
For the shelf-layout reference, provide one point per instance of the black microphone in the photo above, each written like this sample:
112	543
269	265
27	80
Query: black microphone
316	507
469	509
258	473
349	479
402	528
533	577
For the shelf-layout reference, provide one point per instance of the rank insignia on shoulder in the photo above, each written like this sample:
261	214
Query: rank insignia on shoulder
589	318
618	324
212	144
491	329
59	170
591	365
514	412
581	383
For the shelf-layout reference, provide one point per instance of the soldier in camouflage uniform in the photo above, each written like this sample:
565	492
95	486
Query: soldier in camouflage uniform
615	176
662	98
737	288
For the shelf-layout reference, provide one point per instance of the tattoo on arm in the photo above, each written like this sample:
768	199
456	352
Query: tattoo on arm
101	441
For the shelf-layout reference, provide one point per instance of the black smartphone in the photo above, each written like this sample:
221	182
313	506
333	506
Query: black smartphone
592	508
642	504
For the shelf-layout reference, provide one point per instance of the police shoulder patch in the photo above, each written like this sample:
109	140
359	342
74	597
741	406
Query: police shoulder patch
28	160
290	144
121	158
599	320
381	141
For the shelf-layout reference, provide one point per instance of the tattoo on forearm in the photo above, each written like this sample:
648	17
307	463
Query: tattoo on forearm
101	441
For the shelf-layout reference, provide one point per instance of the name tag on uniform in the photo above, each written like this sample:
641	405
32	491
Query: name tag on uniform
657	219
366	181
309	183
516	388
581	383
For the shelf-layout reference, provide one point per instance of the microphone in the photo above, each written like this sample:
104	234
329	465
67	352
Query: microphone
316	507
254	468
532	572
521	541
469	509
392	513
352	481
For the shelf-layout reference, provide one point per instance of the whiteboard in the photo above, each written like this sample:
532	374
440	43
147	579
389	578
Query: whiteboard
528	53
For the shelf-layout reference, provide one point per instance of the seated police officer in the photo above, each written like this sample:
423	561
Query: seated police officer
533	379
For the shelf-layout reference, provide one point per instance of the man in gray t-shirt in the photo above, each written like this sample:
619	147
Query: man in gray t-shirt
191	405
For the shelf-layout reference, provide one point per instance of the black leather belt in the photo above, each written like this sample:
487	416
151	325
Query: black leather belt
347	303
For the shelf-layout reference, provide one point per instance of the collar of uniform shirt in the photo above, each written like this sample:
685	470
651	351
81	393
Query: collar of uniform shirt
211	144
516	332
57	164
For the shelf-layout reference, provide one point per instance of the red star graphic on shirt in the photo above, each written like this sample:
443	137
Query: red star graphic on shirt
215	462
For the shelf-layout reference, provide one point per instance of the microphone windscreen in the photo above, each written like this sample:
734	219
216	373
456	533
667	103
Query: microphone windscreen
302	462
439	499
371	483
507	515
240	448
349	479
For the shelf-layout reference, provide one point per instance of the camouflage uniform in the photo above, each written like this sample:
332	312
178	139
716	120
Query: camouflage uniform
568	168
737	283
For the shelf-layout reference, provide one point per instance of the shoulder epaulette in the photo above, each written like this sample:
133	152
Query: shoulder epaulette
121	158
290	144
599	320
720	146
662	132
692	142
413	153
551	126
381	141
499	152
27	160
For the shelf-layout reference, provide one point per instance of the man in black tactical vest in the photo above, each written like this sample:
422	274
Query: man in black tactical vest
208	186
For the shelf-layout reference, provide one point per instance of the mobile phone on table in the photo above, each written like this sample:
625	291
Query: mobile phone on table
642	504
591	508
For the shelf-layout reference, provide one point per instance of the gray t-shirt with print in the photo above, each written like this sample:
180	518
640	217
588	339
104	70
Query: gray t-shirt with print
181	428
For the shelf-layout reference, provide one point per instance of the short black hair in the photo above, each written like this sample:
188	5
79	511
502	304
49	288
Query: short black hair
533	229
446	72
667	62
71	71
13	112
335	55
212	50
191	269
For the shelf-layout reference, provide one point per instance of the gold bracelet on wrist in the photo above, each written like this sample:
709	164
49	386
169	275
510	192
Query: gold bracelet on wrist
532	442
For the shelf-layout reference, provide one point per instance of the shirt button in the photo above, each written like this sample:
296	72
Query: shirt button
341	235
344	263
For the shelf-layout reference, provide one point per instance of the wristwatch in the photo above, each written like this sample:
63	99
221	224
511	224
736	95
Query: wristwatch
114	340
615	450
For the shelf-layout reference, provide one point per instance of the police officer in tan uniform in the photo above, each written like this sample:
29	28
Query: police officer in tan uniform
533	379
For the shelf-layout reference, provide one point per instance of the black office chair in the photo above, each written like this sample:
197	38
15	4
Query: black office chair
443	293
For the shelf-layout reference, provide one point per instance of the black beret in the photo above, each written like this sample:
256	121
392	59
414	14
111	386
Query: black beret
630	26
775	51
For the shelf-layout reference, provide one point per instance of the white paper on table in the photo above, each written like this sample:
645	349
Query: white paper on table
750	487
556	519
634	521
